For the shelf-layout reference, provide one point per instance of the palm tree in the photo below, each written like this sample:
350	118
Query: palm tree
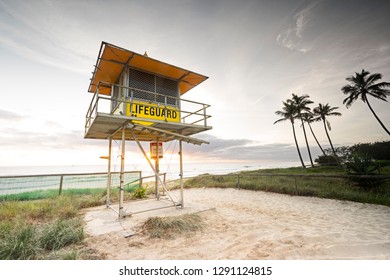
301	102
363	85
321	112
288	113
308	117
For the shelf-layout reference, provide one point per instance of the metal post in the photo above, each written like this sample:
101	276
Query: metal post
181	174
157	167
165	182
112	97
121	192
109	173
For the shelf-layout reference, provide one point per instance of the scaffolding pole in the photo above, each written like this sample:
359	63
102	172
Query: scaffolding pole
157	167
109	174
181	174
121	192
151	165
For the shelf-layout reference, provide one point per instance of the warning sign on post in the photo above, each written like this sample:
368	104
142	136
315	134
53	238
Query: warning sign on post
153	150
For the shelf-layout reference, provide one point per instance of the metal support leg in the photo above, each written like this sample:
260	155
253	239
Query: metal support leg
157	167
121	185
109	174
150	164
181	174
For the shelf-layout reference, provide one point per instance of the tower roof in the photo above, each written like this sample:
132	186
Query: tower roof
112	60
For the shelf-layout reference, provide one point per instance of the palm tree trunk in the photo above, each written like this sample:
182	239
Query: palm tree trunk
296	144
369	106
307	144
318	143
331	145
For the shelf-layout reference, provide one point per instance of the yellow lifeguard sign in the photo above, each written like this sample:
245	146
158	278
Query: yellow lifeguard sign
147	110
138	98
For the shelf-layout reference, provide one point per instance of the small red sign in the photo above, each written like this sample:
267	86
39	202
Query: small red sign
153	150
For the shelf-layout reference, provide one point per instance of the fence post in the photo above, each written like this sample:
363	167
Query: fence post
238	181
61	181
295	186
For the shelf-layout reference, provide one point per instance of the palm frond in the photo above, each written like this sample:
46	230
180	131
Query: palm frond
362	85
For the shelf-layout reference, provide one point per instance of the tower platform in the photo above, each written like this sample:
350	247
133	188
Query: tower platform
105	121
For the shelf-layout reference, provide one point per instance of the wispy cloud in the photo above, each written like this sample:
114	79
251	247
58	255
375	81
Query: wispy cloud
7	116
40	32
292	36
242	150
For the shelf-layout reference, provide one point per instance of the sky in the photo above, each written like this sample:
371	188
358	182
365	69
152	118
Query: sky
256	53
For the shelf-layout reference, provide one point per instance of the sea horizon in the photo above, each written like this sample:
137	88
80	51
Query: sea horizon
172	170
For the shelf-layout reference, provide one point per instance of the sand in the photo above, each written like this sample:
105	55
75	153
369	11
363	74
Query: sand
242	224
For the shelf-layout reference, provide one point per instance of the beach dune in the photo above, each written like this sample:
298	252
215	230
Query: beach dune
242	224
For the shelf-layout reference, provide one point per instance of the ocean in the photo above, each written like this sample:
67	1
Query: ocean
172	170
21	179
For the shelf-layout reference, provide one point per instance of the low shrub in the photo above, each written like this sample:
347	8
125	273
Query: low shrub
139	193
363	165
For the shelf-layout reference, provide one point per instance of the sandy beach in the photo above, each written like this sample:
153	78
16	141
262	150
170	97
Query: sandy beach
242	224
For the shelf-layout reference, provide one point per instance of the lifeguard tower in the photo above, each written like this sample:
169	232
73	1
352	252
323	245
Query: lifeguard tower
138	98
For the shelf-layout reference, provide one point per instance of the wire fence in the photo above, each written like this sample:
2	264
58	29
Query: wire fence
35	185
366	188
298	181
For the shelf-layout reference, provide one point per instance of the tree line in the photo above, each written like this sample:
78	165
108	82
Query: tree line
361	86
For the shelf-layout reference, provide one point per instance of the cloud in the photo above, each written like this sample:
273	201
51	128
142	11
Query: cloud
17	138
241	150
6	115
292	36
42	32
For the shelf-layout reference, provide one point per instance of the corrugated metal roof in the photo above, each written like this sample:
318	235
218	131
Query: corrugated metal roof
112	60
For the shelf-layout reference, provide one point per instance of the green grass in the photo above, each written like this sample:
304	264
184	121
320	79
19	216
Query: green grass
61	233
42	194
19	242
28	241
38	229
170	227
297	181
43	225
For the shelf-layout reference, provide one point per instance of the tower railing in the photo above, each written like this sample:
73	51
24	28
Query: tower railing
123	98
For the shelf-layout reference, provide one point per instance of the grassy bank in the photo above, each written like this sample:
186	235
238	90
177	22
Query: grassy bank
324	182
49	228
44	229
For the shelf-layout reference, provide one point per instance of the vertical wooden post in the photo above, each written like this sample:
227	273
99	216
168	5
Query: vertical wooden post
61	182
